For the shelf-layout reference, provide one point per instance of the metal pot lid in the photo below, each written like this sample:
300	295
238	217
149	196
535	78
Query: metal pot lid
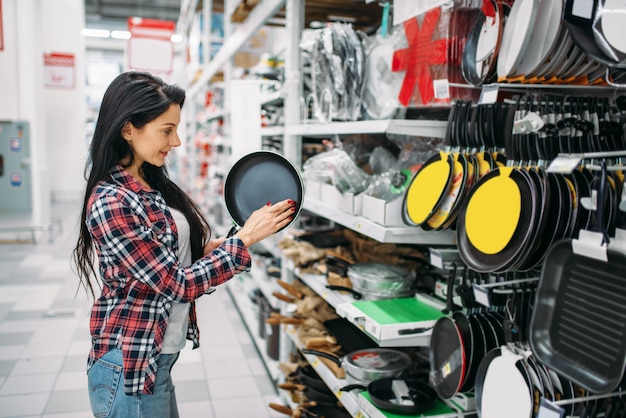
378	271
378	360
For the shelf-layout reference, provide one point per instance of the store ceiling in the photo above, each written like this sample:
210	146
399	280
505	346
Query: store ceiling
115	12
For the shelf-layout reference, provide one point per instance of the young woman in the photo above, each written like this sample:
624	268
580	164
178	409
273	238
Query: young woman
151	247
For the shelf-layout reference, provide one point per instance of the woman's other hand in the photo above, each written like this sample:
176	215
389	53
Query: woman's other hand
266	221
213	244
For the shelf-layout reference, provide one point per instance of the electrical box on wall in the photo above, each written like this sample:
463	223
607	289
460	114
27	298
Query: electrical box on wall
15	175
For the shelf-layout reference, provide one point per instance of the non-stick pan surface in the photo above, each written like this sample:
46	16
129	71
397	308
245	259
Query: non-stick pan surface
258	178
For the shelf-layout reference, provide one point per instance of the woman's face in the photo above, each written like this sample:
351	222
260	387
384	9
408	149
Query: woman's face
154	141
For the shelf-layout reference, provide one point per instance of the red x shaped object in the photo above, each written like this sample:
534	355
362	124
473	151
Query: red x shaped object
421	53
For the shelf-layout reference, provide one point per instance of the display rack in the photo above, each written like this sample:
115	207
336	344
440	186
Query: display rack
239	288
383	234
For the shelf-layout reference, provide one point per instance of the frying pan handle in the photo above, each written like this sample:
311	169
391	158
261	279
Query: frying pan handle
601	200
233	230
355	294
322	354
353	386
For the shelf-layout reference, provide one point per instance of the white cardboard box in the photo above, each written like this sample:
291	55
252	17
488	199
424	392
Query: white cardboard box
312	189
333	197
383	212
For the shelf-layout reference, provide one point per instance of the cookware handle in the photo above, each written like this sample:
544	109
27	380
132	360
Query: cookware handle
355	294
322	354
450	291
353	386
413	331
600	203
233	230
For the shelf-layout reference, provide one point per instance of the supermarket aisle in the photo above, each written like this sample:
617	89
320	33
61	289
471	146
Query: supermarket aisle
44	341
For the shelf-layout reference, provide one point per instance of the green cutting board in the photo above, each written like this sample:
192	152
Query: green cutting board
398	311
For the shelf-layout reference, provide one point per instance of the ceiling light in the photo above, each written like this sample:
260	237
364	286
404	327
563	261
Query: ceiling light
96	33
120	34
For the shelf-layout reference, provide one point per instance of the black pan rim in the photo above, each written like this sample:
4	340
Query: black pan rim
238	217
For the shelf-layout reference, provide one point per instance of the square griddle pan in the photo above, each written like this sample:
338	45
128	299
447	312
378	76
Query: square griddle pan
578	326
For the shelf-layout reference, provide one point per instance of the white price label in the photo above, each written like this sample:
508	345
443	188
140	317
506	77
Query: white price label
436	259
481	295
442	89
488	94
564	165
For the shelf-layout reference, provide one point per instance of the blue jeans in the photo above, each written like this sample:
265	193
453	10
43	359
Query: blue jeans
106	390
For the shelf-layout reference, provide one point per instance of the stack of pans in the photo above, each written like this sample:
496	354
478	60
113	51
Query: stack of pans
377	281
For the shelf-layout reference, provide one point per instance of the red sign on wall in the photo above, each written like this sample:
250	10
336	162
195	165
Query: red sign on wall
59	70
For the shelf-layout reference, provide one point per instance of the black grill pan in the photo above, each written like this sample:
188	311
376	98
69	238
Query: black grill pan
578	326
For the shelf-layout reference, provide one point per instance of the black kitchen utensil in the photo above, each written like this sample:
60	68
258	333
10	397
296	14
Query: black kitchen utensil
258	178
408	396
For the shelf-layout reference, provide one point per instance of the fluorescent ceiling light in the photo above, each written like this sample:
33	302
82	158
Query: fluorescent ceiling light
96	33
120	34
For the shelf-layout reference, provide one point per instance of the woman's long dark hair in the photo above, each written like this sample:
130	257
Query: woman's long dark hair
138	98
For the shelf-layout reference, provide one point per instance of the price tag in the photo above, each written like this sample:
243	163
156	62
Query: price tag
442	89
488	94
564	165
481	295
436	259
549	410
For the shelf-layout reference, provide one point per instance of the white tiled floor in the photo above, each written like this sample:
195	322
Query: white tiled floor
44	340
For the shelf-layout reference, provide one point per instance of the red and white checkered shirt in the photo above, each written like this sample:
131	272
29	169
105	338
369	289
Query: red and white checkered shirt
135	238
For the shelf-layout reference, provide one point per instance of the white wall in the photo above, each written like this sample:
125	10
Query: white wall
66	144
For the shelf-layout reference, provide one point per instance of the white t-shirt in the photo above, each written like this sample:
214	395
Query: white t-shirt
176	332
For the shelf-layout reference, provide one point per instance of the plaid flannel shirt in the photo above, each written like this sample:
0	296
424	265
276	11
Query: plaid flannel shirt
135	238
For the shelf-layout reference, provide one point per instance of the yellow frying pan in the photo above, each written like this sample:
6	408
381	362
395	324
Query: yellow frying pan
428	187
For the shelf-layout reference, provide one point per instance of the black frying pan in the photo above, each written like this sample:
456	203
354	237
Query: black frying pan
258	178
419	398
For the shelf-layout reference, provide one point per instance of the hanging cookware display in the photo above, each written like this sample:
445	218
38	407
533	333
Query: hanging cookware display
504	385
450	346
482	44
608	30
579	18
543	39
578	325
496	221
516	36
258	178
427	189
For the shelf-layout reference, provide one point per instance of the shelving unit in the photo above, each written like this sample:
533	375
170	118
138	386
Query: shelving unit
239	289
384	234
292	132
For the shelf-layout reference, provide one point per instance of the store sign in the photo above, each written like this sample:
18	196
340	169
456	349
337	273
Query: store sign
150	47
59	70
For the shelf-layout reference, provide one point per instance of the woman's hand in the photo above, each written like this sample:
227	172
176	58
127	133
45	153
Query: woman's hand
213	244
266	221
